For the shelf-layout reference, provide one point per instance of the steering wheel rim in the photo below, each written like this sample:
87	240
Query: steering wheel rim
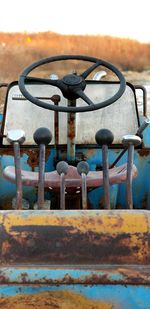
92	106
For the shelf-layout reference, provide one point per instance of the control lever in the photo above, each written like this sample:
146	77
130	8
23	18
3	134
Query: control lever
83	169
130	141
104	138
42	138
143	126
16	138
62	169
139	132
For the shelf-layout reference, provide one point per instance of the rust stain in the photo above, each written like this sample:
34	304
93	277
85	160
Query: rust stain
6	246
33	155
53	300
144	201
144	152
71	128
105	237
122	274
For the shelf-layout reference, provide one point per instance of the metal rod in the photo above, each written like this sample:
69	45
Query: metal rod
84	191
18	175
106	176
144	98
129	176
143	126
62	191
56	125
41	176
71	133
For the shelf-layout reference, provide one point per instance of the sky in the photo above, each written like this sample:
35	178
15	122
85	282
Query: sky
120	18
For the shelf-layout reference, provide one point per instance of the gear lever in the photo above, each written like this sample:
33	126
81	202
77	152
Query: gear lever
16	138
62	169
83	169
104	138
130	141
42	137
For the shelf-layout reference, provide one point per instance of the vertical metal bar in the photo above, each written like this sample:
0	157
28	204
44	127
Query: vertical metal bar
129	176
18	175
56	125
144	98
71	133
106	176
62	191
143	126
84	191
41	176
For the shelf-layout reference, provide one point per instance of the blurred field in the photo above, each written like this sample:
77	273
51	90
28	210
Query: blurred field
18	50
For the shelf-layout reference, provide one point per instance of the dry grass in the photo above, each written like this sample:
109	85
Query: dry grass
18	50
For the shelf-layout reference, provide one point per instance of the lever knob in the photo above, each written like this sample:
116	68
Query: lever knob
83	167
131	140
62	167
16	136
104	137
42	136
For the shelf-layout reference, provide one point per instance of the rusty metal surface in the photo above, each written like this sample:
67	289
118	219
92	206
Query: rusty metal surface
32	153
56	275
75	237
17	160
60	299
71	133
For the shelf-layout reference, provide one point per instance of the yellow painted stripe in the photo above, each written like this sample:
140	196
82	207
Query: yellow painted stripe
103	221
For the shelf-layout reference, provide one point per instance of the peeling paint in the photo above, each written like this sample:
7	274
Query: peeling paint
55	299
75	237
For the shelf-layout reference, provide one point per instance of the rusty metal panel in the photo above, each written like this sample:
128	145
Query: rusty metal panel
48	297
74	237
85	274
75	296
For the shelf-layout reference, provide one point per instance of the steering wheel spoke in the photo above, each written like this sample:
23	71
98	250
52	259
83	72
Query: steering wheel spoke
84	97
91	69
72	85
39	80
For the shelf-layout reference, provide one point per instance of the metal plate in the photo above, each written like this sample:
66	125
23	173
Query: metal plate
120	117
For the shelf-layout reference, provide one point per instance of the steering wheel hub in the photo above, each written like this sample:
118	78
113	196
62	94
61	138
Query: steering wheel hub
72	80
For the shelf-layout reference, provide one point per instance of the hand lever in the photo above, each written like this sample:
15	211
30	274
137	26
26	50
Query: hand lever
83	169
42	137
130	141
62	169
16	138
104	138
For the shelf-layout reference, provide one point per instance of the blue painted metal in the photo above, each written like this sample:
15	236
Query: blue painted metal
141	192
117	296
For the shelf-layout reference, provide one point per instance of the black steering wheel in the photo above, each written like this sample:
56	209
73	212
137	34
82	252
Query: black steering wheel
72	85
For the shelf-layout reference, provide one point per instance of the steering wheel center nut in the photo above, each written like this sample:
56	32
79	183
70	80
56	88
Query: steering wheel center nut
72	80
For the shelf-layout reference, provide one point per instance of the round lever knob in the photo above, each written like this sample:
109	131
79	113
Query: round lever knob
131	140
83	167
62	167
16	136
104	137
42	136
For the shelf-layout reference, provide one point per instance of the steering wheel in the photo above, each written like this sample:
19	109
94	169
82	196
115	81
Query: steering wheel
72	85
